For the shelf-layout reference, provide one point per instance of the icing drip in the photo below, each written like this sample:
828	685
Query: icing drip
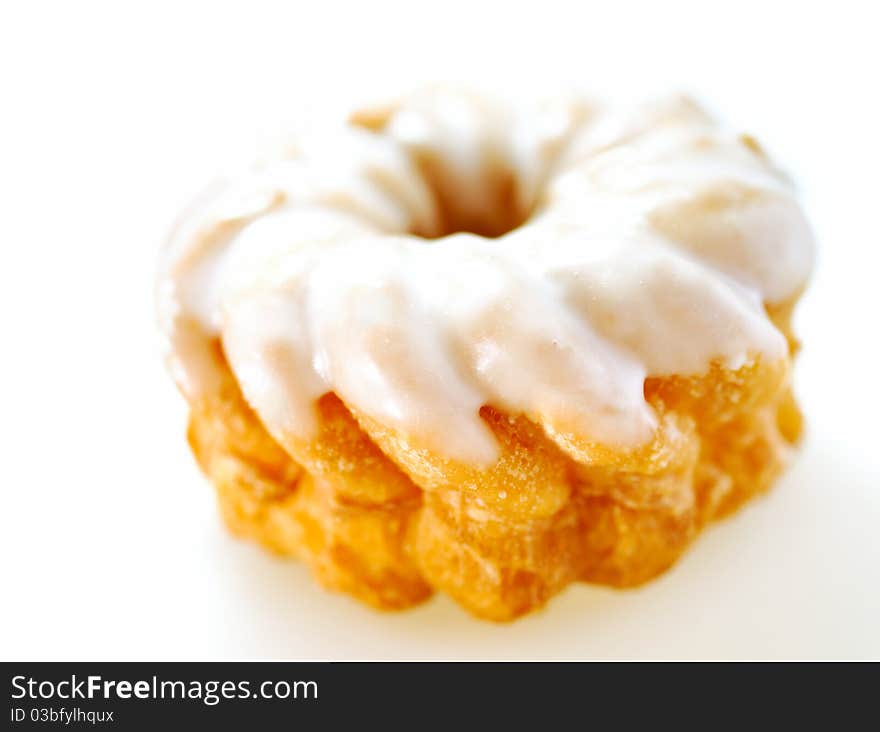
638	243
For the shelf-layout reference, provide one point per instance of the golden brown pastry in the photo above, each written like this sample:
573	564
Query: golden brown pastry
458	345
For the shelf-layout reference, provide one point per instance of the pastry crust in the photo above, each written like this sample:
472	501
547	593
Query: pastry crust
465	348
390	525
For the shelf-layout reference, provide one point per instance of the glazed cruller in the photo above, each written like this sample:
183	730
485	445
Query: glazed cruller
463	345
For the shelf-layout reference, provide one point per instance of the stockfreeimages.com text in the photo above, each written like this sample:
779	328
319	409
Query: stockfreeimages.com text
210	692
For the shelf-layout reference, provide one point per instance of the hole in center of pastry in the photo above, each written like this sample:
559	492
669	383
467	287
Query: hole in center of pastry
490	208
483	197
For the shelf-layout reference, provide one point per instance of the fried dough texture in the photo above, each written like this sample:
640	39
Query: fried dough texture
390	523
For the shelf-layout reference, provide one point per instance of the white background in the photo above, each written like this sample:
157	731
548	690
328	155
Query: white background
112	115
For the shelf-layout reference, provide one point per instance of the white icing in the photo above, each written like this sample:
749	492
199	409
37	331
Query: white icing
654	241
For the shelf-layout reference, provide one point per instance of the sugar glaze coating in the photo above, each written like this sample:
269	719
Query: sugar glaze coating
643	242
